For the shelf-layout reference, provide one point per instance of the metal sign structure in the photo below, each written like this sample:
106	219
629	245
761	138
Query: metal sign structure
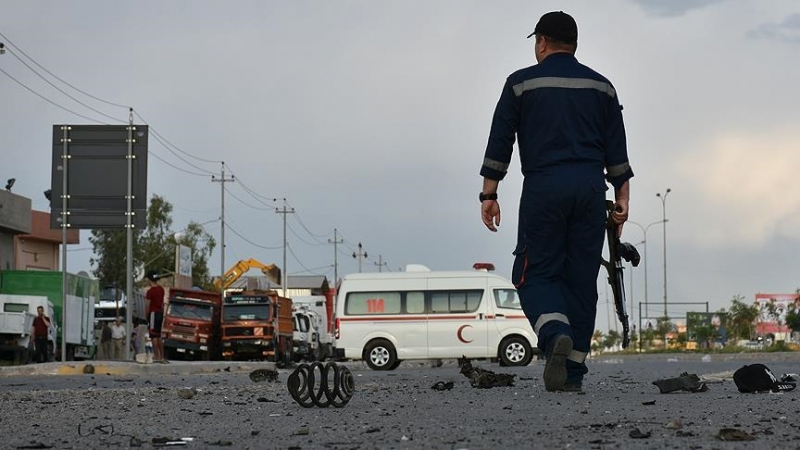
99	180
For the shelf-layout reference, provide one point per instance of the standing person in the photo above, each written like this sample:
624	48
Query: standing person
155	313
568	121
118	338
39	331
106	347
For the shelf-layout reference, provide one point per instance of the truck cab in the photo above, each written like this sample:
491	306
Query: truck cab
250	329
192	324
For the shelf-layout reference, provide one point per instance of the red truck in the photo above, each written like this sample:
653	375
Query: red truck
257	325
192	325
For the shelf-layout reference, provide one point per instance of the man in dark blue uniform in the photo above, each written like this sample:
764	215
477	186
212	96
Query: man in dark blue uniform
568	121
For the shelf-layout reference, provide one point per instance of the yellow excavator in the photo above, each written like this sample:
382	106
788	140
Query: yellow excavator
272	272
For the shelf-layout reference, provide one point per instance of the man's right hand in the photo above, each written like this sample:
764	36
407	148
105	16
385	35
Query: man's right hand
490	214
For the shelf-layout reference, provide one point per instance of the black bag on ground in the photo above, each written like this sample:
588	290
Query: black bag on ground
758	378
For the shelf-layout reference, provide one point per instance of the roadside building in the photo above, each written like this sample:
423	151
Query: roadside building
15	219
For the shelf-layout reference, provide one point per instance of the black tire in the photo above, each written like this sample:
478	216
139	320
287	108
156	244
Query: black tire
515	351
380	354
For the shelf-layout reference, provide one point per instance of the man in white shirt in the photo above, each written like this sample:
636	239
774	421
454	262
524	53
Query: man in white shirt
118	338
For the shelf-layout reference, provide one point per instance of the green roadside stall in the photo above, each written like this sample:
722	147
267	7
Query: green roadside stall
82	293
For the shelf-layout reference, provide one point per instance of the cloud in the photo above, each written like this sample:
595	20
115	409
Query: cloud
787	30
673	8
744	189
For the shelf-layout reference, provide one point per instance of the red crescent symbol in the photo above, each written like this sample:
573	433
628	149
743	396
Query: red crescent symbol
461	330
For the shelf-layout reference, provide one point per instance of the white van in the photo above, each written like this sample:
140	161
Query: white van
385	318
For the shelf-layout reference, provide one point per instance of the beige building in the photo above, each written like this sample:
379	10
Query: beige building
40	250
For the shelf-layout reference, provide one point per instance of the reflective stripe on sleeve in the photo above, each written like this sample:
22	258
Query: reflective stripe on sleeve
619	169
544	318
495	165
578	357
567	83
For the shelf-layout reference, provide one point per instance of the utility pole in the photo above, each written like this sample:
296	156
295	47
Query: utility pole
222	180
360	256
284	272
336	241
381	263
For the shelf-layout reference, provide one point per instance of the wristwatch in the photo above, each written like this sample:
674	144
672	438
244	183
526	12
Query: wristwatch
483	197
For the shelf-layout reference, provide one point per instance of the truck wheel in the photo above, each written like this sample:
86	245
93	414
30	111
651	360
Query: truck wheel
515	351
380	355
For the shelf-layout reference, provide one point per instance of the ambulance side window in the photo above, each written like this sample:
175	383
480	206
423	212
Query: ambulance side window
507	298
455	301
415	302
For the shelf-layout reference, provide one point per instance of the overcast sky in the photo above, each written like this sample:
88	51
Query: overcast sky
372	117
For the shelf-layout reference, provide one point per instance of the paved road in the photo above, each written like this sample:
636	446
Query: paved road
399	410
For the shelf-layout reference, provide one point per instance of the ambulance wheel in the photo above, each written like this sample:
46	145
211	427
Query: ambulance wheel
380	355
515	351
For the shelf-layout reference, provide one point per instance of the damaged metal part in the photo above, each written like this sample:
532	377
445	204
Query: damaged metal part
321	385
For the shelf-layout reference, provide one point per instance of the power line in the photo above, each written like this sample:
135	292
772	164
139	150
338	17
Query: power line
289	247
228	226
316	244
155	132
52	102
62	91
245	203
56	77
205	174
174	166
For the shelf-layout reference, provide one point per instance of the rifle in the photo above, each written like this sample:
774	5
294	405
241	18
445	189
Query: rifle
618	251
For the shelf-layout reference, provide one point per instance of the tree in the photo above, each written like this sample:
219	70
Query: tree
741	319
612	338
664	326
111	248
153	249
597	341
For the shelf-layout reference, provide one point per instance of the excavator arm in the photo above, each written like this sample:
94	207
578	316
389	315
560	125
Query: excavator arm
271	271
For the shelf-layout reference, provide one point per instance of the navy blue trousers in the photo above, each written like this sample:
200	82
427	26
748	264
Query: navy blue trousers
559	249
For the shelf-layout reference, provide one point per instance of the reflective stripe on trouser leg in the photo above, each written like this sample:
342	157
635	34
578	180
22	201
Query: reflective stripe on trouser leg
577	356
547	317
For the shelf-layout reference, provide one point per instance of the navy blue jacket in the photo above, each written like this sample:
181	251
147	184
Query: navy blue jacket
563	113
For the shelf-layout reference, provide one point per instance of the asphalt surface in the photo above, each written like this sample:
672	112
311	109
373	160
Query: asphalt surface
398	409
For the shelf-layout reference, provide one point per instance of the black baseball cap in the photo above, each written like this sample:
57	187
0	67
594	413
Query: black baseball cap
153	275
758	378
557	25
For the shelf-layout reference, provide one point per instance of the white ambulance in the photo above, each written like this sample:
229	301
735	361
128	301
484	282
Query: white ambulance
385	318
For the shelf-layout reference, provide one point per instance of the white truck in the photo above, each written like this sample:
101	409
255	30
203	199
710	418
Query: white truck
313	334
16	322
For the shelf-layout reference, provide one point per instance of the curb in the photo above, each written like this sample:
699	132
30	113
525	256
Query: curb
132	368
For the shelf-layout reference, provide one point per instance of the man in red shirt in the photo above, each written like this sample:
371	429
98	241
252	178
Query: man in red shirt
41	325
155	314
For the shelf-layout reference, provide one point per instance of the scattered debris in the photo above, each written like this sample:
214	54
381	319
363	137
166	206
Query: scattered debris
221	443
787	377
650	403
373	430
682	433
265	400
186	393
706	358
302	432
734	434
163	442
35	445
685	382
674	424
261	375
482	378
88	369
717	377
442	386
638	434
136	442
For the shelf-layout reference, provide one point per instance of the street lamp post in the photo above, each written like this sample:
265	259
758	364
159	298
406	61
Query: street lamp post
644	246
663	199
